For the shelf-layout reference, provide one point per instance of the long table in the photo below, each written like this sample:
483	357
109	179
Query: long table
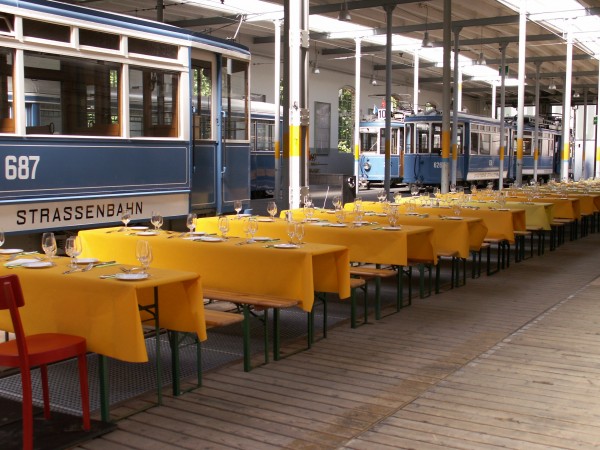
257	269
108	312
366	243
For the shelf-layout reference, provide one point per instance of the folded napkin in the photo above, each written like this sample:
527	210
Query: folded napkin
20	262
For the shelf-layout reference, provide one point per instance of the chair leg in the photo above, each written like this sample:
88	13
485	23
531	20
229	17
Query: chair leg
27	409
45	394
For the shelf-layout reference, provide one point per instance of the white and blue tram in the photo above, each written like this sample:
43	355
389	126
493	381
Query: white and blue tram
101	112
478	144
371	163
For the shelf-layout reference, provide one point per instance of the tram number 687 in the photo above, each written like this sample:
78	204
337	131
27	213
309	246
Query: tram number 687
20	167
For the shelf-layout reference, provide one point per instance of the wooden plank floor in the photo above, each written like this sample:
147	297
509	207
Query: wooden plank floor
511	361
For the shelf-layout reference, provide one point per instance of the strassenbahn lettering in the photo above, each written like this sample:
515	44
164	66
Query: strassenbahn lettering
57	214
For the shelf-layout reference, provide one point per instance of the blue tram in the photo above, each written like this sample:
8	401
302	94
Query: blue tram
478	143
371	163
101	113
549	148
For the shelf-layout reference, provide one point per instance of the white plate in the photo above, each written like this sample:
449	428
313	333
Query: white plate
131	276
38	265
197	233
138	228
20	262
243	215
262	238
313	219
391	228
361	222
147	233
210	239
265	219
10	251
338	225
453	218
192	238
320	224
285	246
86	260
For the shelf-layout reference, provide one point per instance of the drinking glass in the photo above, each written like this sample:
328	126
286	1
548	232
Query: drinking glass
1	237
237	205
299	231
340	215
272	209
125	218
223	226
309	211
49	244
291	231
393	217
143	253
252	227
73	249
157	220
381	195
453	188
337	202
414	190
456	209
191	222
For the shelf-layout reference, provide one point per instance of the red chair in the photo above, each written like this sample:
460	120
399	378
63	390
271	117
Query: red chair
26	352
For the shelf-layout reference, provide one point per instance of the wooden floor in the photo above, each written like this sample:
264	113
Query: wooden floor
511	361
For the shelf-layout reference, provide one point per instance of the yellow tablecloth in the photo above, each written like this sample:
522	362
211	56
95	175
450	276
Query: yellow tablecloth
105	311
448	235
365	244
564	208
257	269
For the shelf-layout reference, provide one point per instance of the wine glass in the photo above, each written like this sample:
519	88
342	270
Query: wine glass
393	217
291	231
337	202
272	209
340	215
1	237
73	249
252	228
309	211
414	190
191	222
237	205
381	195
157	220
223	226
453	188
125	218
49	244
143	253
299	231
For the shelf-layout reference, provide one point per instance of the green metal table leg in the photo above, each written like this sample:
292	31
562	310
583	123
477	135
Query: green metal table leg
158	358
276	335
266	334
246	332
104	388
174	341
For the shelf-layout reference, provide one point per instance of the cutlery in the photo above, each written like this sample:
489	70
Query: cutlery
104	277
76	269
129	270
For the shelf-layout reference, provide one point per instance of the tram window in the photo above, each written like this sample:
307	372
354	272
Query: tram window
234	100
262	139
527	146
496	143
7	123
44	30
368	142
202	99
474	143
7	23
152	48
153	105
71	96
484	143
436	139
422	138
98	39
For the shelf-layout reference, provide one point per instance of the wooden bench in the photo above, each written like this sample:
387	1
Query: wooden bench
368	273
264	302
455	260
476	259
503	255
215	318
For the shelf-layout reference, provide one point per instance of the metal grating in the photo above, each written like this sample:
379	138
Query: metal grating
128	380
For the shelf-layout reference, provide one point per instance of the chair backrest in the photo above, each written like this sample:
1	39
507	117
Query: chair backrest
11	298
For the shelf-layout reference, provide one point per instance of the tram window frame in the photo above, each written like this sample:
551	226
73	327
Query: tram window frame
203	115
474	142
154	122
154	49
422	138
235	78
75	96
7	121
7	24
485	143
262	136
436	138
99	39
369	142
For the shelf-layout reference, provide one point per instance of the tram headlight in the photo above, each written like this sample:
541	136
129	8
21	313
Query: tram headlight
367	166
